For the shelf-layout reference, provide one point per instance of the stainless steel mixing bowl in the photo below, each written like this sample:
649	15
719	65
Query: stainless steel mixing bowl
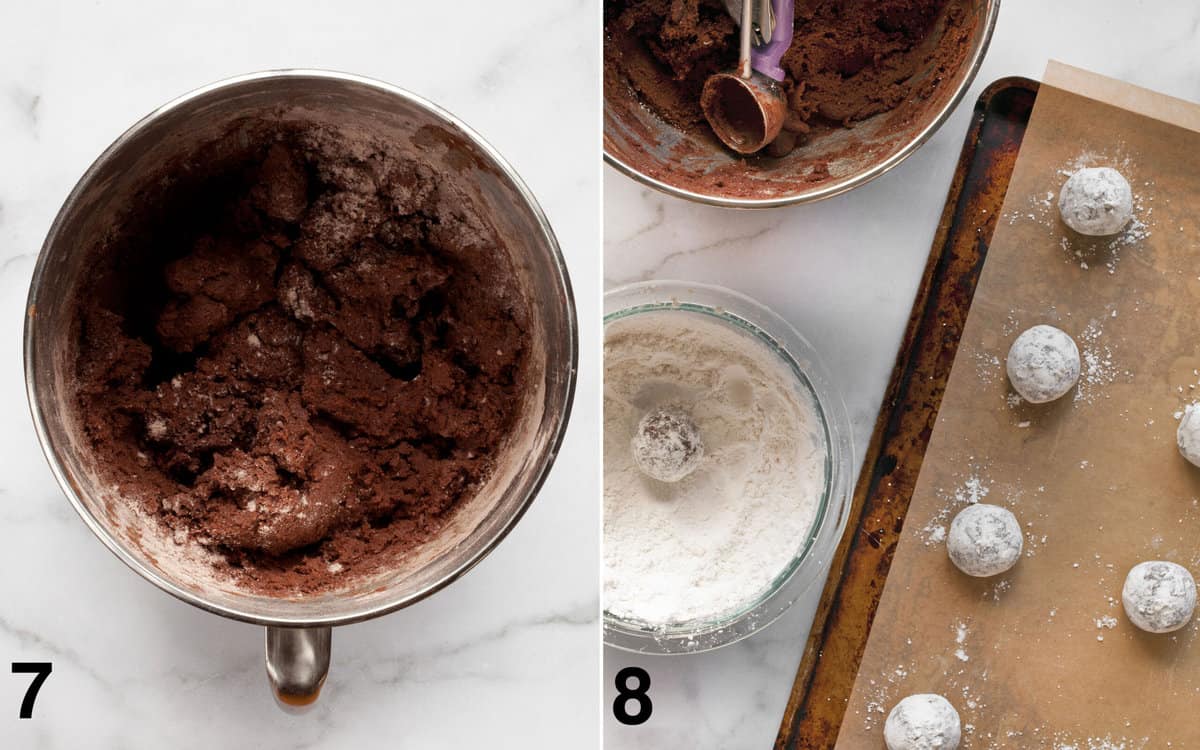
298	628
693	165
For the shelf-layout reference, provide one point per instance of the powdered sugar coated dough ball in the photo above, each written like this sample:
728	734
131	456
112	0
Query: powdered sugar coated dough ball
1096	201
1159	596
984	540
1188	434
667	445
923	722
1043	364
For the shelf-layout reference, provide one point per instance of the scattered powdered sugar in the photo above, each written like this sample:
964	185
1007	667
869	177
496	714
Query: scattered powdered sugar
1039	738
997	591
1187	395
987	366
1105	622
1063	741
1011	325
960	640
1039	208
935	533
1033	541
883	694
972	489
1098	365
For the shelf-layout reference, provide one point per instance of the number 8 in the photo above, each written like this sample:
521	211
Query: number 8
636	694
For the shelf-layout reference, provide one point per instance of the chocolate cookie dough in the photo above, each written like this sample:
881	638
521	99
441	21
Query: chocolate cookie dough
303	356
849	59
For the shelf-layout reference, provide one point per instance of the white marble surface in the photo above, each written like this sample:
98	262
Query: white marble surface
507	657
844	272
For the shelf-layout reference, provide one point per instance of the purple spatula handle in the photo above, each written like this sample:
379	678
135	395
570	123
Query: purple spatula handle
766	59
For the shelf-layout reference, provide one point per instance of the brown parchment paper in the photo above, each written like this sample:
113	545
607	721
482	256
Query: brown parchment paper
1043	656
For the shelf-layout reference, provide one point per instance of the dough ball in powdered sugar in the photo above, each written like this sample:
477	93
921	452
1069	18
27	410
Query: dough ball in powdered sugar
923	722
1043	364
1159	596
667	445
984	540
1096	201
1188	434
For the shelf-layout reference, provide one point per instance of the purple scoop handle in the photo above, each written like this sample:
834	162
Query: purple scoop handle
766	59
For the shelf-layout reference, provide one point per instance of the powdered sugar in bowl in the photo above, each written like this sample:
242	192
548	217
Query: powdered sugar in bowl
699	559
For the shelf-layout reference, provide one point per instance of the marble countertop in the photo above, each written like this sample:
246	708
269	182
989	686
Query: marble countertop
480	664
845	272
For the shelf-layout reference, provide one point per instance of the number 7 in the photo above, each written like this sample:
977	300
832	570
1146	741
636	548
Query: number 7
42	670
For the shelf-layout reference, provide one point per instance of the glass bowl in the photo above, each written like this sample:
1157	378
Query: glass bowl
810	564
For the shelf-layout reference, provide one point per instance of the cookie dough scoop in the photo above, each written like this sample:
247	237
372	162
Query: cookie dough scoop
746	107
